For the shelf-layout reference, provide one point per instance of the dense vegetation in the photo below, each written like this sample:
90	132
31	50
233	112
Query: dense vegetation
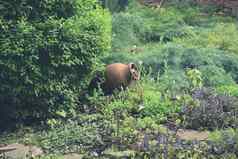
47	50
187	55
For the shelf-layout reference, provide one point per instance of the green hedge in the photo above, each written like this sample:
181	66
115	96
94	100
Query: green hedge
47	50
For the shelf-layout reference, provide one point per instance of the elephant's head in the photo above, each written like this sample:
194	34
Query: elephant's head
135	75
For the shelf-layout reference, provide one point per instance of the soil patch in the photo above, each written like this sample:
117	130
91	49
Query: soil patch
187	134
23	151
73	156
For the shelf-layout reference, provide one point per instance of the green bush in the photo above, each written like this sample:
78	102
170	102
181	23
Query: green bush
225	140
47	50
194	58
158	107
208	58
144	100
229	62
215	76
82	134
231	90
220	36
173	82
140	24
114	5
126	30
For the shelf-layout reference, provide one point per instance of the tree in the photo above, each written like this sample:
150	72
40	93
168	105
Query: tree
47	50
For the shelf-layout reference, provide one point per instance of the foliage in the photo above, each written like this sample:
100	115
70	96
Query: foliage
225	141
47	51
140	24
215	76
173	82
231	90
194	58
221	36
125	25
84	133
158	107
214	111
114	5
195	77
229	63
52	157
167	146
145	100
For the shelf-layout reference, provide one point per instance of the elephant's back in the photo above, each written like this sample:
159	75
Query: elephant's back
116	74
117	67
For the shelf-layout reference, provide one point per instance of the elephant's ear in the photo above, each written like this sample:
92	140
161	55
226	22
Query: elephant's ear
134	71
132	66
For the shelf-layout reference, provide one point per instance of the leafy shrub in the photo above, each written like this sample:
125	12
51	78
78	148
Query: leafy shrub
173	82
148	123
215	76
127	131
34	11
140	24
195	78
214	63
194	58
47	51
231	90
168	146
224	40
221	36
125	103
145	100
214	111
224	141
84	133
114	5
229	62
126	28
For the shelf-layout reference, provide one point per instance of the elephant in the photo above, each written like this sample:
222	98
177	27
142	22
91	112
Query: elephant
116	76
120	76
